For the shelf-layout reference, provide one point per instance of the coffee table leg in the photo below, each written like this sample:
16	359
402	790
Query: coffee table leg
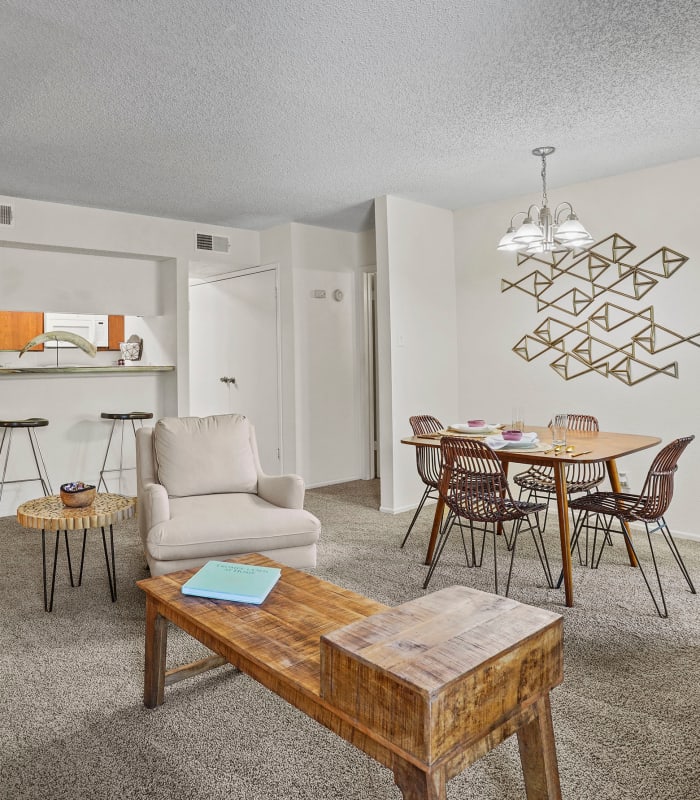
538	755
415	784
48	601
156	647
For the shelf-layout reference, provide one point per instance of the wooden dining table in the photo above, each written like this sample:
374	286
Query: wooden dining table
589	446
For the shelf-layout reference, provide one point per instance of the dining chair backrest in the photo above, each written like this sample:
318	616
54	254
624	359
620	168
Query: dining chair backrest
582	422
428	457
657	492
478	488
580	472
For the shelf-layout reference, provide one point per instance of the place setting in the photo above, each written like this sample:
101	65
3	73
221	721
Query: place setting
499	436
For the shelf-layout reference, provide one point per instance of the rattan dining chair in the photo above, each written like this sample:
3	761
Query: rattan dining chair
648	507
539	484
475	490
428	462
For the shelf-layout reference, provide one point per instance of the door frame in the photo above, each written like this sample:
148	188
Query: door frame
239	273
369	298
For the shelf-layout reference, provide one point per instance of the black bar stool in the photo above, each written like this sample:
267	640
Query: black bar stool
121	417
8	427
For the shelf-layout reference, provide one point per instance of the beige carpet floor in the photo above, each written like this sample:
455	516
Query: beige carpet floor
626	716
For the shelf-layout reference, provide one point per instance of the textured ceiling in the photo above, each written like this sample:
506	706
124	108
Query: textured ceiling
255	112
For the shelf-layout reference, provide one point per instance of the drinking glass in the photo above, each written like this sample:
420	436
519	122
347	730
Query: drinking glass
516	420
560	423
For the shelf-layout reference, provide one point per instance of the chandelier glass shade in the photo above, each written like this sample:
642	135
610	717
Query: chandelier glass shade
544	231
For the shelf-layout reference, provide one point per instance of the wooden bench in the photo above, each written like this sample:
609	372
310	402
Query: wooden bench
425	688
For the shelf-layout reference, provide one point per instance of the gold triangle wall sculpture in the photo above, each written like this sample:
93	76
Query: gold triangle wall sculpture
606	342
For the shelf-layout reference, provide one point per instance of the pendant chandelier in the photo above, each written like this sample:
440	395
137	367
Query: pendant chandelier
542	231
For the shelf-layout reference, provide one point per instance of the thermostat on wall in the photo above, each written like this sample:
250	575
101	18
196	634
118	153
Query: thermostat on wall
319	294
337	295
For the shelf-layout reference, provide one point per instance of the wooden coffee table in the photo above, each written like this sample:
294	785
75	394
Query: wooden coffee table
49	514
425	688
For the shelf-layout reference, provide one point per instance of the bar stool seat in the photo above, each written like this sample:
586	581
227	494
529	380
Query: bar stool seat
8	427
128	415
31	422
123	417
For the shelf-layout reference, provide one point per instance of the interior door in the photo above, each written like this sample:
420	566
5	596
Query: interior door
234	355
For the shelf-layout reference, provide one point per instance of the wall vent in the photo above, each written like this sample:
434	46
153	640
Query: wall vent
6	215
216	244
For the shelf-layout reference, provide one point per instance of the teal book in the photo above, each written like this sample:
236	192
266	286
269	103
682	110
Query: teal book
223	580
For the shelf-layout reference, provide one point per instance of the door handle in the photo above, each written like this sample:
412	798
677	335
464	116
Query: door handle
224	379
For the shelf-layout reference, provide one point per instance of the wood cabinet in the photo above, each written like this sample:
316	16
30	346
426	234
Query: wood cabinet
116	332
18	327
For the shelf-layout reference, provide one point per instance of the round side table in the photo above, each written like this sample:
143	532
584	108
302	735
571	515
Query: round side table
49	514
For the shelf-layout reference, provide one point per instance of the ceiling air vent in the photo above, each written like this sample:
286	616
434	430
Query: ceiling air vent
217	244
5	215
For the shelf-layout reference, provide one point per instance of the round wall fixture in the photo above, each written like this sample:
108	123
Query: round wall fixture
337	295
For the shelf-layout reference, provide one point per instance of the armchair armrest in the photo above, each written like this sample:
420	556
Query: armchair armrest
286	491
156	505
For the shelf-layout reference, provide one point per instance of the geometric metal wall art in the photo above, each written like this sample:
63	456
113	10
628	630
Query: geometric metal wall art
613	338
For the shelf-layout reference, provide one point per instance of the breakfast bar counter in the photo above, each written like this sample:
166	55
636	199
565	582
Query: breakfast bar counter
106	369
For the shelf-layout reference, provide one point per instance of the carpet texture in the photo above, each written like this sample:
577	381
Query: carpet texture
625	719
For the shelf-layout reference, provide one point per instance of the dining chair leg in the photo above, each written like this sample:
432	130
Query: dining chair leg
415	516
442	541
538	539
495	556
580	522
606	528
514	538
478	562
673	547
630	545
464	542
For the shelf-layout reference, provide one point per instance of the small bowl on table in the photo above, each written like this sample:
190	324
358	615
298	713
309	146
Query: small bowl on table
512	436
77	494
476	423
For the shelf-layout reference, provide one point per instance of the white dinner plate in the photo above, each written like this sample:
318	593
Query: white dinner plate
521	445
464	428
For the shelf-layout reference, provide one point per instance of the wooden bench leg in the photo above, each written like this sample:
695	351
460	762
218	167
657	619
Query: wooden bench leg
415	784
156	646
538	755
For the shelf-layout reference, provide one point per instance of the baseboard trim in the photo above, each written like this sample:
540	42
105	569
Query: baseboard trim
333	483
401	509
638	526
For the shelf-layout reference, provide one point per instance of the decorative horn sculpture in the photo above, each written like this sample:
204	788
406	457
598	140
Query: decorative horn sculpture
60	336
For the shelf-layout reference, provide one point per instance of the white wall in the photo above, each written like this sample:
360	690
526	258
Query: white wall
332	410
276	248
323	358
652	208
78	282
417	312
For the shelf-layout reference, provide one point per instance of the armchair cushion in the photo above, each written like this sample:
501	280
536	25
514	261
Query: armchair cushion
220	525
205	455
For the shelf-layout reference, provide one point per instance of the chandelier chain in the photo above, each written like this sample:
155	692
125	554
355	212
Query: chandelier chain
544	179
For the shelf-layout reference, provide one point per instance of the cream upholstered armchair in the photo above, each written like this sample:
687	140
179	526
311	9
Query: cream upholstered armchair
202	495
